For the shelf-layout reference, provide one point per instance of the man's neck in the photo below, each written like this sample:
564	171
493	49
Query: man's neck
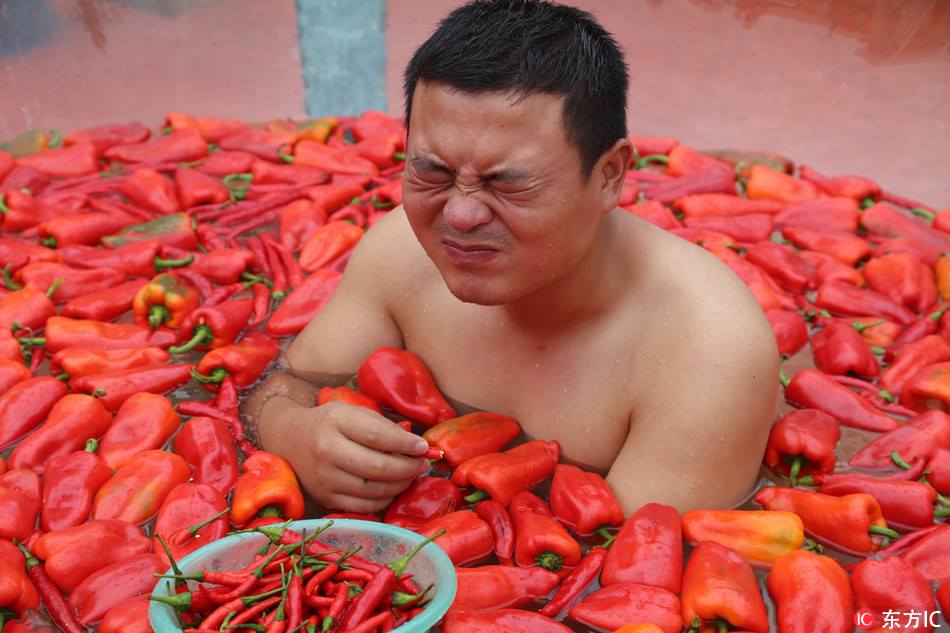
592	289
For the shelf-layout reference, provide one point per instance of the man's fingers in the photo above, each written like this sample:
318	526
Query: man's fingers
355	486
379	433
371	464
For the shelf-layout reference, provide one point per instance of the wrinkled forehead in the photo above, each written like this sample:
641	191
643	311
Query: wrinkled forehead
462	127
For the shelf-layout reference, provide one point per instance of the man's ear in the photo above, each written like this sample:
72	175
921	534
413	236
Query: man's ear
610	172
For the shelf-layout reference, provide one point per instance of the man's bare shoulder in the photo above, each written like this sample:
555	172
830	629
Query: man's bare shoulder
389	256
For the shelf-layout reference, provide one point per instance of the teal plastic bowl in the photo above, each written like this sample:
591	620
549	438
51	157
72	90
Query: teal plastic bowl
382	543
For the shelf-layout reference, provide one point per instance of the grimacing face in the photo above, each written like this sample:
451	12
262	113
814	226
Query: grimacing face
494	192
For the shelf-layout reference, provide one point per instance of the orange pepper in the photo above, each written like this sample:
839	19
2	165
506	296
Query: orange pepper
770	184
942	274
166	300
928	389
758	536
268	486
472	435
327	243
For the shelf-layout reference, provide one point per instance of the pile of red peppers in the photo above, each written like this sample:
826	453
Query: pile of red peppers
149	280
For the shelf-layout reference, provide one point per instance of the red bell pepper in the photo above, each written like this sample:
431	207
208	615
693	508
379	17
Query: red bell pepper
839	349
327	243
137	489
906	505
583	501
298	221
114	584
83	228
28	307
325	158
174	229
842	245
212	327
472	435
260	143
19	503
84	361
718	205
509	620
752	227
105	304
25	405
891	585
166	300
648	549
769	184
384	150
654	213
14	249
222	265
73	554
811	593
150	190
828	268
854	187
425	499
923	326
62	333
791	333
72	420
115	387
65	162
801	443
720	586
76	283
912	359
714	178
915	441
191	516
11	373
21	211
211	129
398	379
612	607
491	587
846	523
105	136
783	264
539	539
130	616
928	389
17	592
938	470
69	485
303	304
136	260
501	475
882	219
266	486
902	278
267	173
194	187
764	289
144	422
814	390
244	361
467	539
179	146
824	214
23	177
930	555
758	536
206	444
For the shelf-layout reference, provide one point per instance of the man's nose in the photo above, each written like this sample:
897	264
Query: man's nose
464	211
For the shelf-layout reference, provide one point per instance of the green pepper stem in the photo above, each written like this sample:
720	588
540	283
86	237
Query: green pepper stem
53	287
53	139
549	560
92	445
268	510
63	377
35	341
200	335
219	374
399	156
3	205
923	213
8	280
179	602
161	264
652	158
607	536
860	327
198	526
400	565
48	242
157	314
897	459
284	156
782	378
886	395
179	582
477	496
793	471
883	531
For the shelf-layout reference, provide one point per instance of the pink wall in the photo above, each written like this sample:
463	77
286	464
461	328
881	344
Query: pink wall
847	86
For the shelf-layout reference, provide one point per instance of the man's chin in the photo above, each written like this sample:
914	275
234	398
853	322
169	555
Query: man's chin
477	292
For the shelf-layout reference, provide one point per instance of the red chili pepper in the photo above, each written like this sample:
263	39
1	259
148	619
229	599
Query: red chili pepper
115	387
839	349
472	435
13	249
25	405
466	539
492	587
267	173
503	531
576	582
62	333
179	146
192	515
648	549
72	554
425	499
764	289
244	361
612	607
24	177
137	260
801	443
502	475
276	265
144	422
206	444
114	205
823	214
814	390
303	304
71	421
583	501
903	278
19	503
791	333
846	523
924	326
69	485
513	620
887	245
52	599
105	136
811	593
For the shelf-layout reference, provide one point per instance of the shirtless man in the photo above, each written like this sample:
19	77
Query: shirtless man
513	274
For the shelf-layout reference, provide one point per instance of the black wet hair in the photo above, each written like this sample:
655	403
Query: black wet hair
532	46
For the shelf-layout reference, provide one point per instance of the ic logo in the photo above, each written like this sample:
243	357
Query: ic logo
864	619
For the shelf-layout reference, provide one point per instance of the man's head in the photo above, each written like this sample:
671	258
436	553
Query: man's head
517	123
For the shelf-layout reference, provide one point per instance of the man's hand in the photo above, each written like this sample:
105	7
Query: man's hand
346	457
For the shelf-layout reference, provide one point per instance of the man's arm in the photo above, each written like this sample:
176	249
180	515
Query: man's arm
698	442
346	457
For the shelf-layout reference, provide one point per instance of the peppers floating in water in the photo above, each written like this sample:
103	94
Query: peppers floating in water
398	379
166	300
268	485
